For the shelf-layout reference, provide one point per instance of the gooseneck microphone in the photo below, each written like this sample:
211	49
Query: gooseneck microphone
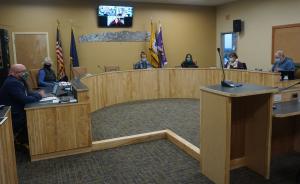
222	64
225	83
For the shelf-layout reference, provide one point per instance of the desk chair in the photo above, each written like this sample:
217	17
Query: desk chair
33	78
79	71
111	68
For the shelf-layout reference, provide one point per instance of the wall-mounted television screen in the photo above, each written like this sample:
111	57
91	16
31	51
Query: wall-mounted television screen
115	16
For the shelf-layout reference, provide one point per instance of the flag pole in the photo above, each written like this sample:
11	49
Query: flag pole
71	59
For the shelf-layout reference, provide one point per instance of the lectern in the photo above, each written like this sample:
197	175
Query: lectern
235	130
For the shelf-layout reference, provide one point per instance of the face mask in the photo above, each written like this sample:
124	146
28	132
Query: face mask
144	59
188	59
47	66
25	76
277	60
231	59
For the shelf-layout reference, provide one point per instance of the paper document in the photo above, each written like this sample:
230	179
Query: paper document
51	98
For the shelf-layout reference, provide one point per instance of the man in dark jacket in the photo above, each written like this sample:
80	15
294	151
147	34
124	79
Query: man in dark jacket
14	93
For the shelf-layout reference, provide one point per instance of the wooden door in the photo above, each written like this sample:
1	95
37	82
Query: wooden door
30	49
287	38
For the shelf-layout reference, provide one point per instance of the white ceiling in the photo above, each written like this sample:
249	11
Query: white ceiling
184	2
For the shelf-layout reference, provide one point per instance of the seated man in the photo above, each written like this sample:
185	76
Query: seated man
234	62
14	93
46	76
188	62
143	63
282	63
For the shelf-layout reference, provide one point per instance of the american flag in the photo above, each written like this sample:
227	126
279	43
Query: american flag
61	72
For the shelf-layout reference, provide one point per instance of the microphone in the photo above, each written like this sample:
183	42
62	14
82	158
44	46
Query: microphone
222	65
225	83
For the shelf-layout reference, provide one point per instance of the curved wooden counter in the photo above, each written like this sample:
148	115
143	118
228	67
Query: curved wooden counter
8	169
124	86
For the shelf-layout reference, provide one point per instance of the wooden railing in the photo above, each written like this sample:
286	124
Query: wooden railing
124	86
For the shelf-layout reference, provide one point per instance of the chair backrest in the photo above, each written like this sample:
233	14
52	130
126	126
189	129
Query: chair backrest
33	78
244	66
111	68
79	71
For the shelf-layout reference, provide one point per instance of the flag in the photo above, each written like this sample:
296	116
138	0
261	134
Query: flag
153	48
61	72
73	52
160	48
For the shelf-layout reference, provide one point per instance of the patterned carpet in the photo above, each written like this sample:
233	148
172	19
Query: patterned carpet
180	116
157	162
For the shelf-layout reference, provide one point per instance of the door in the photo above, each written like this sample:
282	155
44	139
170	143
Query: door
30	49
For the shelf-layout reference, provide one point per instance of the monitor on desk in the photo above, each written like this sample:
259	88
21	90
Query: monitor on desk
287	75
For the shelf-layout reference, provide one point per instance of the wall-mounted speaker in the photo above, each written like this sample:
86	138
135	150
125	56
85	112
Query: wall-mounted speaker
237	25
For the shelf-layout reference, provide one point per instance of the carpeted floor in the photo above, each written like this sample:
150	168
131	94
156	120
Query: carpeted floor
179	115
158	162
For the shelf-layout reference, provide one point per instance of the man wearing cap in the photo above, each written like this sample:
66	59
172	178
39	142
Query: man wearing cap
46	77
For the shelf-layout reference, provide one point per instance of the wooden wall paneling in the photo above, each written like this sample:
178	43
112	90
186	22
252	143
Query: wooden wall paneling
41	130
94	91
215	131
282	135
297	134
82	96
99	84
136	85
239	116
50	130
72	131
111	88
258	132
123	86
148	82
164	83
8	169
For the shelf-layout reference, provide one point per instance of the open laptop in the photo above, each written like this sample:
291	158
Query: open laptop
53	92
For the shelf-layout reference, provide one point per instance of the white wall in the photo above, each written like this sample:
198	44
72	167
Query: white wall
255	43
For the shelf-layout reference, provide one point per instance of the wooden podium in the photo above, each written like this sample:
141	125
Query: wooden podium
235	130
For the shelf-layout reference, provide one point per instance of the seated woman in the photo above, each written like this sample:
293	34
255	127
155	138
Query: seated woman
234	62
46	76
143	63
188	62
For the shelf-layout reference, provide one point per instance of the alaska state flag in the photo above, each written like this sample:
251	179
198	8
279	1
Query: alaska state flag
160	48
73	51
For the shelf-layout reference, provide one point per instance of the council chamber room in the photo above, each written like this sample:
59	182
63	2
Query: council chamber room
183	91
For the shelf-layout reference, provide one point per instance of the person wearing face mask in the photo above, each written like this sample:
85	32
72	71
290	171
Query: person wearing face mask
234	62
14	92
188	62
282	63
46	76
143	63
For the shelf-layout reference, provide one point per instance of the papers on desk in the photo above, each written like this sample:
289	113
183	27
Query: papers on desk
51	99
